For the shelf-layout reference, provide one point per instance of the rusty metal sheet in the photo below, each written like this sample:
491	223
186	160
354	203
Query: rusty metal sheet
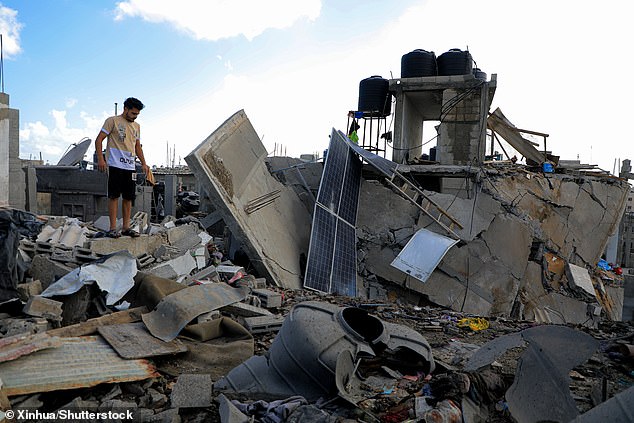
179	308
132	340
78	363
23	344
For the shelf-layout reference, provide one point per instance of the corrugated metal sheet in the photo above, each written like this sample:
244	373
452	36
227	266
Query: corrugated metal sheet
16	346
78	363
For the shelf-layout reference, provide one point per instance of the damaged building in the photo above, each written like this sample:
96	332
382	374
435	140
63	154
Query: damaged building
379	283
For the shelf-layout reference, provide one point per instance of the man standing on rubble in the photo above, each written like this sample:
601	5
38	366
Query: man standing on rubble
124	145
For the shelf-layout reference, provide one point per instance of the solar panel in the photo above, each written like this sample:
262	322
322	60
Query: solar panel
382	164
332	254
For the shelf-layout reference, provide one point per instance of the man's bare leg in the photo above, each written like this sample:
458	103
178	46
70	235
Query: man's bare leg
126	209
113	206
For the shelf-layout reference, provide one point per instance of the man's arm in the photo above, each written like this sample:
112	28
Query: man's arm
139	153
101	163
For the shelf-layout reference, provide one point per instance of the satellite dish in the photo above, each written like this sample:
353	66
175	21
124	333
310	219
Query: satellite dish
76	154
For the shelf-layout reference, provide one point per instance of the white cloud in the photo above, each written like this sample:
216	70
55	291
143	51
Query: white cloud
217	19
53	141
10	30
70	103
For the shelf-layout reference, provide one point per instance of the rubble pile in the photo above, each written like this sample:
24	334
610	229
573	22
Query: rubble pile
179	324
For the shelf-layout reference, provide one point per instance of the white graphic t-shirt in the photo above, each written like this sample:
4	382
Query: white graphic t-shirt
122	138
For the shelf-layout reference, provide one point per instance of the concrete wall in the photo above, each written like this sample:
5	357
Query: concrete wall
13	178
462	134
511	223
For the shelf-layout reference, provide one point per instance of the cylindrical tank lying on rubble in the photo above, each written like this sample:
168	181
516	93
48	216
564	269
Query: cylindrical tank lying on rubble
302	359
418	63
455	62
374	96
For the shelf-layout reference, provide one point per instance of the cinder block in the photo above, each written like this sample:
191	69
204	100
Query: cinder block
270	299
84	255
39	306
28	247
42	247
144	260
245	310
263	324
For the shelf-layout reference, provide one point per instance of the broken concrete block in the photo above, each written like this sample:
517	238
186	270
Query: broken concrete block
47	270
245	310
263	324
43	247
175	268
269	299
28	247
29	289
39	306
579	280
144	260
192	391
183	233
84	255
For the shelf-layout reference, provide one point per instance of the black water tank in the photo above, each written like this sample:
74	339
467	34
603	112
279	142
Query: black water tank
374	96
418	63
455	62
479	74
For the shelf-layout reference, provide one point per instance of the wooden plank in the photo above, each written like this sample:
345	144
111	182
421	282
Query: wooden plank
500	124
90	326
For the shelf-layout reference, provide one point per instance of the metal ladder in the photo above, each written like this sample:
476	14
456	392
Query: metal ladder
414	194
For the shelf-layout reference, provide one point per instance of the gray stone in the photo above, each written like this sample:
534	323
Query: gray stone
192	391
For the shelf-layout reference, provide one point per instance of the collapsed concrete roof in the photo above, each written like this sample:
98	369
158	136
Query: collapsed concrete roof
265	215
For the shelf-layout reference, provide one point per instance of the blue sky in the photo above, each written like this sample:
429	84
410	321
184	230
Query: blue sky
294	66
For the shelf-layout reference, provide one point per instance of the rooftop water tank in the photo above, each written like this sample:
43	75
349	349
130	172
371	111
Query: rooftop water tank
374	97
455	62
418	63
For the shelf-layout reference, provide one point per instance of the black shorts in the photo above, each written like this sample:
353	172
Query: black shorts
120	183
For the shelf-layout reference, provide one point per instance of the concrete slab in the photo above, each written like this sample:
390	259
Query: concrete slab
510	239
135	246
230	165
579	280
192	391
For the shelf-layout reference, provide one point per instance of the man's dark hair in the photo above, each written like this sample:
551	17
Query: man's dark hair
133	103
